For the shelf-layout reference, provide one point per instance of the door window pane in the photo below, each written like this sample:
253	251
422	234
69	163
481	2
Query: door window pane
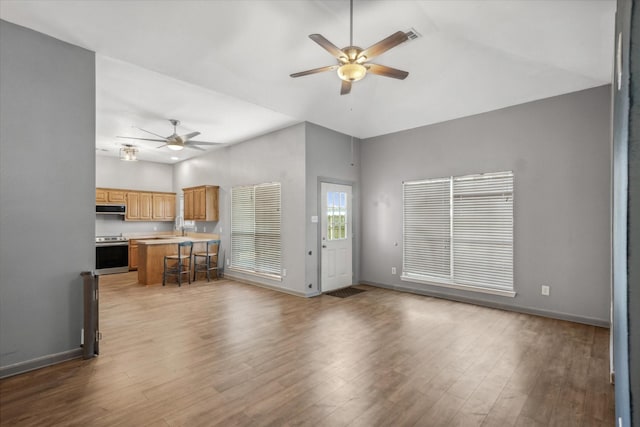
336	215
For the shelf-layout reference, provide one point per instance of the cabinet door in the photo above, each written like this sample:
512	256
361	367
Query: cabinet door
188	205
133	255
169	201
158	207
133	206
146	206
212	204
101	196
200	203
116	196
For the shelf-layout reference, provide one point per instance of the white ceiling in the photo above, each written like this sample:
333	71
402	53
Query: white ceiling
222	66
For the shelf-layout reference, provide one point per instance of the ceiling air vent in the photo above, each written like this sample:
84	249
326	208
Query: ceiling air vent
412	34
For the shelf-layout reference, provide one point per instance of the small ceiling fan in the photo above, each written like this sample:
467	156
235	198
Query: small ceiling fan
174	141
353	61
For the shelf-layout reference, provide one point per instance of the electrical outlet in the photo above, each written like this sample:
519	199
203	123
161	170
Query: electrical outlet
204	229
393	270
228	263
545	290
284	272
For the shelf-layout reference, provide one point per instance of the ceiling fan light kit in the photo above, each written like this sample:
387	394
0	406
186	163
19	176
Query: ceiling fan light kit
352	60
174	146
352	72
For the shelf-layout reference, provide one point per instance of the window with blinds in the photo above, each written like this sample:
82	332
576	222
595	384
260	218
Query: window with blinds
255	229
458	232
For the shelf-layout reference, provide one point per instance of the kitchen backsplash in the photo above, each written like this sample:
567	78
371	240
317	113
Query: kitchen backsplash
113	225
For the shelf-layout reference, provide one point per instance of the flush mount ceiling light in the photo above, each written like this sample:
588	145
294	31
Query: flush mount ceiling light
352	60
128	153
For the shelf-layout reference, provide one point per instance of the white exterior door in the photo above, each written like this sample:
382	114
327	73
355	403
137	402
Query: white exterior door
336	236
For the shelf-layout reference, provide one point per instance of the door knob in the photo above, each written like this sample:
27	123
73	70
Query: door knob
324	246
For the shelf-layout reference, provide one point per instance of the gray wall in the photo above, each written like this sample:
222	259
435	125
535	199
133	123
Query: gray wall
275	157
111	172
47	176
330	157
559	151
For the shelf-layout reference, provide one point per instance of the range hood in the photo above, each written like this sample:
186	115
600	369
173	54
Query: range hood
111	209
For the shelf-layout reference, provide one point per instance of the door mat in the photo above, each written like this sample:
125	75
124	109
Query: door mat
346	292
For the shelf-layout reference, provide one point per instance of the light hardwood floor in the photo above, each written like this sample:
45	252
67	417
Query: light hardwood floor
224	353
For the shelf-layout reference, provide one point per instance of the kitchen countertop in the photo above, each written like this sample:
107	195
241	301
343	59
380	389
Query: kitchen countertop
172	240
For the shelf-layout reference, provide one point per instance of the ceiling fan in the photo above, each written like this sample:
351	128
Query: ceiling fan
174	141
353	61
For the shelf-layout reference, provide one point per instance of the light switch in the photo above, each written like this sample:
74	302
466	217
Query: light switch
314	219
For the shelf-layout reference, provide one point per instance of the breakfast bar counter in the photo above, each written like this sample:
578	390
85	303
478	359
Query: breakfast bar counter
151	253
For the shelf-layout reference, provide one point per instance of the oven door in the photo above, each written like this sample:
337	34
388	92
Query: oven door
112	258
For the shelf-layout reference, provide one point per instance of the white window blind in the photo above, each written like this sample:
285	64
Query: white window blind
458	232
256	229
427	243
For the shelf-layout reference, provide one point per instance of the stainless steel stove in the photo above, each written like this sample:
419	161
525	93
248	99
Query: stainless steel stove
112	254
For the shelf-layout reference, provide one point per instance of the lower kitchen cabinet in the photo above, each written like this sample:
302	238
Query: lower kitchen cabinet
133	255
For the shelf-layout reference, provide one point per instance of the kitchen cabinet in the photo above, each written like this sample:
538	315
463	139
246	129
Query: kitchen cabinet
110	197
164	207
146	206
188	204
201	203
101	196
139	206
133	255
133	206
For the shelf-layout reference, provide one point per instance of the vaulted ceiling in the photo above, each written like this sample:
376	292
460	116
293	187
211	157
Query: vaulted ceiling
222	66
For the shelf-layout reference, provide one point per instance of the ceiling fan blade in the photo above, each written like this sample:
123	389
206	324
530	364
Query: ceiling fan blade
345	88
154	134
314	71
382	46
194	147
383	70
143	139
189	136
329	47
202	143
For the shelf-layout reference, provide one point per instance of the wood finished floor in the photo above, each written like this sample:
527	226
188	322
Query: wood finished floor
231	354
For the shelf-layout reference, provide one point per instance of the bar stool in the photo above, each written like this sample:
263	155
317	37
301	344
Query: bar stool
210	259
179	264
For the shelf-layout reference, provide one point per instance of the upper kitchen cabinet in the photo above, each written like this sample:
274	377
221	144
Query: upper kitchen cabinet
109	196
201	203
139	206
164	206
